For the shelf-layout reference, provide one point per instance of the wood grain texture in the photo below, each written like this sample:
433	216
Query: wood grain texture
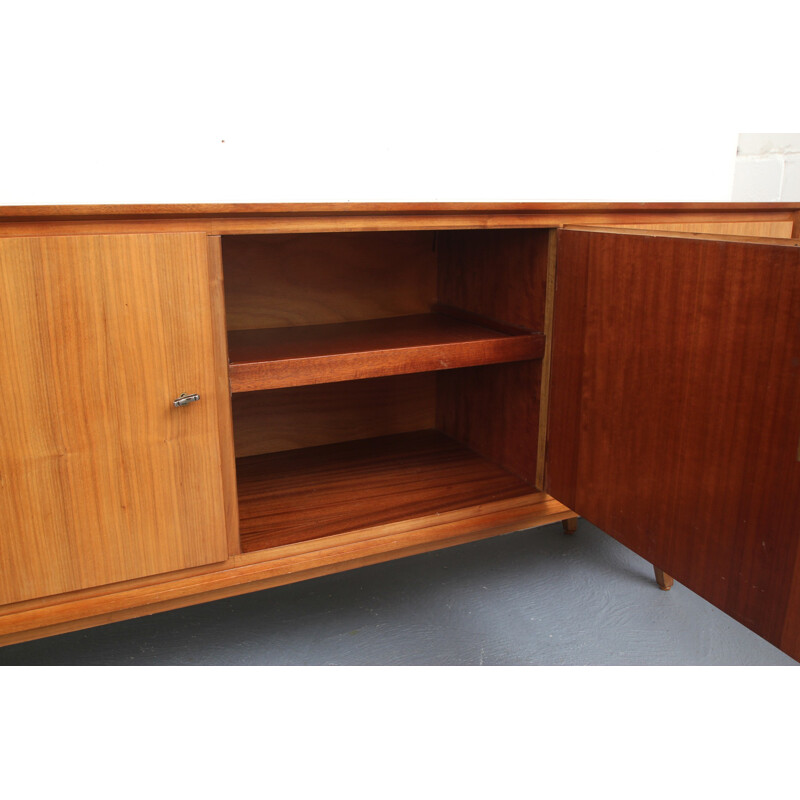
686	236
329	224
778	229
281	281
422	529
502	276
101	478
307	416
494	411
223	394
262	569
244	219
547	361
322	491
162	211
273	358
674	413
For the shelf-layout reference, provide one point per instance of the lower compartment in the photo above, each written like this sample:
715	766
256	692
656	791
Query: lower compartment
317	461
310	493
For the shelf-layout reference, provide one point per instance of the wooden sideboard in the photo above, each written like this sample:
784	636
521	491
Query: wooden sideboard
206	400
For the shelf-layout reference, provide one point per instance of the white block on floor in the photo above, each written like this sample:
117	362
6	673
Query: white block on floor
790	191
758	179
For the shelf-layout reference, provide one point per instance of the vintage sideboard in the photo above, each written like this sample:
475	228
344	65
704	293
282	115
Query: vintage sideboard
204	400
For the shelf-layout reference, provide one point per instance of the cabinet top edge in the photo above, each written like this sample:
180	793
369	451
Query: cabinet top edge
244	210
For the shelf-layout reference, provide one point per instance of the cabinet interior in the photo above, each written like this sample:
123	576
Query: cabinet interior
381	378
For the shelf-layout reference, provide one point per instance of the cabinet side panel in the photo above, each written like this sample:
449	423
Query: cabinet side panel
494	410
501	276
674	413
547	361
101	478
223	395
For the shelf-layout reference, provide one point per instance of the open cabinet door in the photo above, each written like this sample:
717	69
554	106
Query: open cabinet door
675	411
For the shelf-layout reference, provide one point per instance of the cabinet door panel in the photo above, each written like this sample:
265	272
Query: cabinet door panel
102	479
675	412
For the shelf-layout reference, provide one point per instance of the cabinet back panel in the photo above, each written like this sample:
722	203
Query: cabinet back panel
280	280
501	275
307	416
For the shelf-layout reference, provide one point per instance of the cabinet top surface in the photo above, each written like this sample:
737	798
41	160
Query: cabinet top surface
195	210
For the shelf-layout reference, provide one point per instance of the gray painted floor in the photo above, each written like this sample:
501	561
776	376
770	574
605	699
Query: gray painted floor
533	597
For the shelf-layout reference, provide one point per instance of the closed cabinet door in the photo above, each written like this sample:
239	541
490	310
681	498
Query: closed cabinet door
102	478
675	411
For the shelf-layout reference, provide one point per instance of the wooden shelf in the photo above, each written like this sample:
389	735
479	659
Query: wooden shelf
306	494
273	358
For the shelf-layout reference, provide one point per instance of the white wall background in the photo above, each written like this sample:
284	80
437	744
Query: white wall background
767	167
309	101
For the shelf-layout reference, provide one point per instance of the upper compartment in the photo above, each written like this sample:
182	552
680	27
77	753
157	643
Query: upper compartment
321	308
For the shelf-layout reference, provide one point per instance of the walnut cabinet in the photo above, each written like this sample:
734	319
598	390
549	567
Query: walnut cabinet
201	401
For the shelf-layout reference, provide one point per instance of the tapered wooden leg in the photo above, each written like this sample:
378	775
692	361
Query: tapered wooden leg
663	580
570	525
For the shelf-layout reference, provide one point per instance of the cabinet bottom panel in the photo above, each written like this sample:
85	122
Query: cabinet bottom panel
317	492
